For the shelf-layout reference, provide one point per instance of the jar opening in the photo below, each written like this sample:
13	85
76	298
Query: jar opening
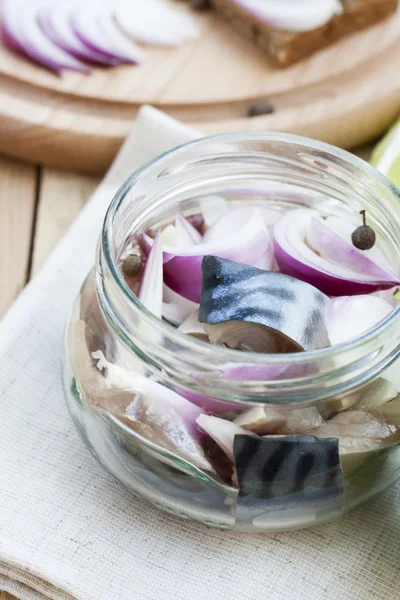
244	167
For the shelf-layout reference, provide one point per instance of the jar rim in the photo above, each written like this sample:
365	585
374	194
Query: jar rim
221	353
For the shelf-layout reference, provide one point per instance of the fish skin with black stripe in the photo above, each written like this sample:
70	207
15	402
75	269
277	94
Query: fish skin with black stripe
275	473
292	310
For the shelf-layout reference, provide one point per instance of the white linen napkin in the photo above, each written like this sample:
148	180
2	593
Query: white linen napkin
69	531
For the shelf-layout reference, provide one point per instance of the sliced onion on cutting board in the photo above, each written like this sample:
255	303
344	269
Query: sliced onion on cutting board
55	20
155	23
93	24
27	35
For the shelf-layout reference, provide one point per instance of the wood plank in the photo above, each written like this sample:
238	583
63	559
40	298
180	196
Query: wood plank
17	209
347	111
62	196
6	596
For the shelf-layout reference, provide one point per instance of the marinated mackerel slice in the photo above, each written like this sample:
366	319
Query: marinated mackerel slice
158	421
265	420
376	394
247	337
149	408
286	36
158	413
242	306
97	332
371	396
361	433
93	385
297	473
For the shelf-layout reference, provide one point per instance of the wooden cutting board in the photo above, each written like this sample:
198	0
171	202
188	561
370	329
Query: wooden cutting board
346	95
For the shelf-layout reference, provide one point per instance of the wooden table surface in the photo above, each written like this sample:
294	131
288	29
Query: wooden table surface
37	205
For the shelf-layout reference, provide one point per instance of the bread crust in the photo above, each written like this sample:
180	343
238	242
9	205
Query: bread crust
287	47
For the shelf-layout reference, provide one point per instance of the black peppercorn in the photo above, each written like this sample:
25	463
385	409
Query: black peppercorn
200	4
260	107
132	265
364	236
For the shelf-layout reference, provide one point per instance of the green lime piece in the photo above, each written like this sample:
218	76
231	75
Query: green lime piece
386	154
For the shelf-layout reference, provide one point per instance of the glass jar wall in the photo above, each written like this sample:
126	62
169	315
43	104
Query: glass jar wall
335	411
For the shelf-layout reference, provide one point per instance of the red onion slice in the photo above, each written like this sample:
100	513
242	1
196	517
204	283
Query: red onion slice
233	220
250	245
208	403
388	295
55	21
300	15
212	208
11	42
348	317
176	308
250	373
155	23
151	286
115	41
7	34
169	250
158	298
93	24
23	32
222	432
332	239
187	236
297	259
169	236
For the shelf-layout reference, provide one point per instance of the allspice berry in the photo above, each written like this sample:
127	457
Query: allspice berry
363	237
200	4
132	265
260	107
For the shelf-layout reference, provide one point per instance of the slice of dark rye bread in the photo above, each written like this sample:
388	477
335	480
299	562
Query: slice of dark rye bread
287	47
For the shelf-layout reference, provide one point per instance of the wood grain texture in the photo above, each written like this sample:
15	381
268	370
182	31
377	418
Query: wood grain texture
17	207
219	66
62	196
6	596
345	95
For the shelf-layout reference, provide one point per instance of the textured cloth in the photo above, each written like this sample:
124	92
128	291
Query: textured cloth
68	530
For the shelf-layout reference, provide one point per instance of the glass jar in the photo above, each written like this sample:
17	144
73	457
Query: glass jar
111	339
